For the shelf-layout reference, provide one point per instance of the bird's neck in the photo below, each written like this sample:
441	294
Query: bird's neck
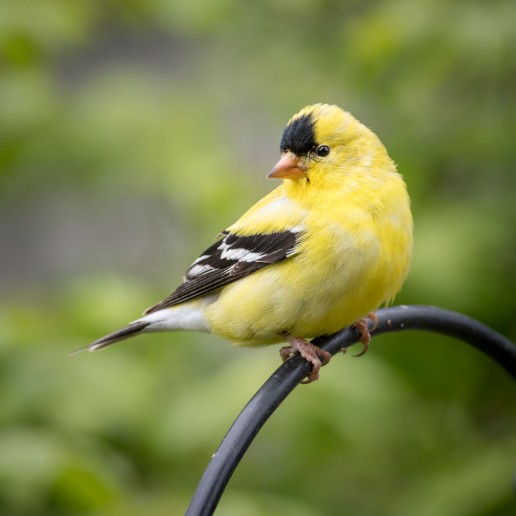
347	185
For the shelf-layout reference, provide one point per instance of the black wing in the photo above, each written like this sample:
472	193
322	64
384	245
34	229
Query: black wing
229	259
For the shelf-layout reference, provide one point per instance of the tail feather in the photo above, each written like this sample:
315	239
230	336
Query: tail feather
189	316
124	333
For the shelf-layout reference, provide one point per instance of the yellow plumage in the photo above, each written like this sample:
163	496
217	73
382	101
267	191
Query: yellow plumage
354	255
329	245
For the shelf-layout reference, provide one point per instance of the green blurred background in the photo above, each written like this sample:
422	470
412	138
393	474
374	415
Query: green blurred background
131	133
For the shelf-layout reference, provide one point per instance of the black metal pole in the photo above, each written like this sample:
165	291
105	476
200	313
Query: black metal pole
288	375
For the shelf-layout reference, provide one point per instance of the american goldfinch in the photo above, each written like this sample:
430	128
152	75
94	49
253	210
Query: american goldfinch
329	245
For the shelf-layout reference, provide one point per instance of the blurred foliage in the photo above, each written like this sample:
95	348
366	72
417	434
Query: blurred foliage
130	134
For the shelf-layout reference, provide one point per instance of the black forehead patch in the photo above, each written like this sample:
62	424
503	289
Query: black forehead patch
299	137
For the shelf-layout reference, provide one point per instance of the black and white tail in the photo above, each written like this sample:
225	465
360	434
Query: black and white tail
188	316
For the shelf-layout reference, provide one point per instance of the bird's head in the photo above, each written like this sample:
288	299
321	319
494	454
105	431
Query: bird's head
322	143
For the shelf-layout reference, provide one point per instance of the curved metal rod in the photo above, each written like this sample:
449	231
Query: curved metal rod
290	373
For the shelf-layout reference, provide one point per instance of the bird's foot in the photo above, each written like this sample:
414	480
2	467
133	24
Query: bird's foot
309	352
365	335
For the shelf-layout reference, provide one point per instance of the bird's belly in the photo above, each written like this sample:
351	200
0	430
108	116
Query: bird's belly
301	299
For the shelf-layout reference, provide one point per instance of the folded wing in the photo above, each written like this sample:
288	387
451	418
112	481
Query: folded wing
231	258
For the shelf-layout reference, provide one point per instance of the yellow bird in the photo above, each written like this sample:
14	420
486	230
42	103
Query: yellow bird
328	246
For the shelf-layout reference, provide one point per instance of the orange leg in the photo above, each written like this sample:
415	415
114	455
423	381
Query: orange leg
309	352
365	335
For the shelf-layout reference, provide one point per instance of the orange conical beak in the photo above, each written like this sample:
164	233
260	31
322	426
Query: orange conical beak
288	167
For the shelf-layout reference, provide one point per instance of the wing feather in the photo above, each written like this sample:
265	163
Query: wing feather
229	259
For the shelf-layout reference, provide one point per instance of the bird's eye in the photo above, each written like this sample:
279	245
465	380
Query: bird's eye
322	151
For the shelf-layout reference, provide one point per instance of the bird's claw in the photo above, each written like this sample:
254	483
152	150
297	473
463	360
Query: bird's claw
365	333
309	352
